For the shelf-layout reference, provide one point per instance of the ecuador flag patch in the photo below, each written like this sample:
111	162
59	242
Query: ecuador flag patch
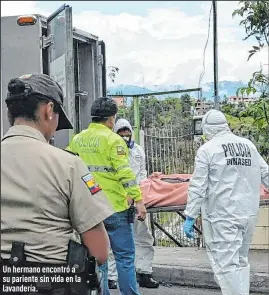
91	183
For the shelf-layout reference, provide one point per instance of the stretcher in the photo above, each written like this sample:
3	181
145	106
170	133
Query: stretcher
168	193
171	192
181	208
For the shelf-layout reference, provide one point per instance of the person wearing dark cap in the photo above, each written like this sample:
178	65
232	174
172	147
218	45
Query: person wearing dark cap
46	192
107	157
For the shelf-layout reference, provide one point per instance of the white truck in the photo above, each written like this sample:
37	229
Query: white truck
74	58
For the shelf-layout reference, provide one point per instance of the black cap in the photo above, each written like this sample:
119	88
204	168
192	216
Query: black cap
43	87
104	107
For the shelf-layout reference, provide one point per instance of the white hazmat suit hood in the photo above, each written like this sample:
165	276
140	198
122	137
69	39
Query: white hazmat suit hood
122	123
213	123
137	154
225	189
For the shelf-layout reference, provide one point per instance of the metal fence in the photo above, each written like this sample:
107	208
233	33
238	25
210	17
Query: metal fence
169	151
166	226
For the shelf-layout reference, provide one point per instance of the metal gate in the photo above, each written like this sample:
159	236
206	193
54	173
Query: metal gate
167	138
168	151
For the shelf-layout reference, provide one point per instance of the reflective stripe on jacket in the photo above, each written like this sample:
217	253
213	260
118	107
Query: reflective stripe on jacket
107	157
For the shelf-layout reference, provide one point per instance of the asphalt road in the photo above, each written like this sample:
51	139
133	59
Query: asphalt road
177	291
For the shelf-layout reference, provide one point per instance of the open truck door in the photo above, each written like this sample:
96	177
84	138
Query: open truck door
61	64
74	58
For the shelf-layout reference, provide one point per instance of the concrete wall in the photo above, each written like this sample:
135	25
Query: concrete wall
261	236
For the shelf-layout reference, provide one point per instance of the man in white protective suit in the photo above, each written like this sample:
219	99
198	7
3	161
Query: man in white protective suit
225	186
143	238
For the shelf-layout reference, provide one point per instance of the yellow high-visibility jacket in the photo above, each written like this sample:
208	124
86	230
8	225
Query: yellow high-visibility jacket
107	157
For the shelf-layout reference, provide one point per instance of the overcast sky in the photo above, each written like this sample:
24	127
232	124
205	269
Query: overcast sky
161	41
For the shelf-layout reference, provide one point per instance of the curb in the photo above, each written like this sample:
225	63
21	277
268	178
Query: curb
203	278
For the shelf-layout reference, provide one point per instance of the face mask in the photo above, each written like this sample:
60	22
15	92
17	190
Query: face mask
129	141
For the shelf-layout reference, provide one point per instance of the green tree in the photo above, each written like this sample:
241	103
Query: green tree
125	112
186	105
227	108
255	15
259	110
112	72
258	83
225	99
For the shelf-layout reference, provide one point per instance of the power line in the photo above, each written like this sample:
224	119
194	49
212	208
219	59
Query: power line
215	56
208	34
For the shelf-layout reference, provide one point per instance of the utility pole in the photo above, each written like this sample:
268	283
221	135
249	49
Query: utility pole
215	46
137	119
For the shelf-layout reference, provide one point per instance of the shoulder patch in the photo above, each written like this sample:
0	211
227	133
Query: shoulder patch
92	185
121	150
75	154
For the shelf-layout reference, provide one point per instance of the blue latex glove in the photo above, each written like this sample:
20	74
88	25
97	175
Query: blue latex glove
188	227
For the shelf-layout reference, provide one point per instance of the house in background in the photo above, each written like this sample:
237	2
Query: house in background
237	99
120	100
202	106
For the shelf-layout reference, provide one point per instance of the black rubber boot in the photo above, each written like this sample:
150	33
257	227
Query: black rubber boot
147	281
112	284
